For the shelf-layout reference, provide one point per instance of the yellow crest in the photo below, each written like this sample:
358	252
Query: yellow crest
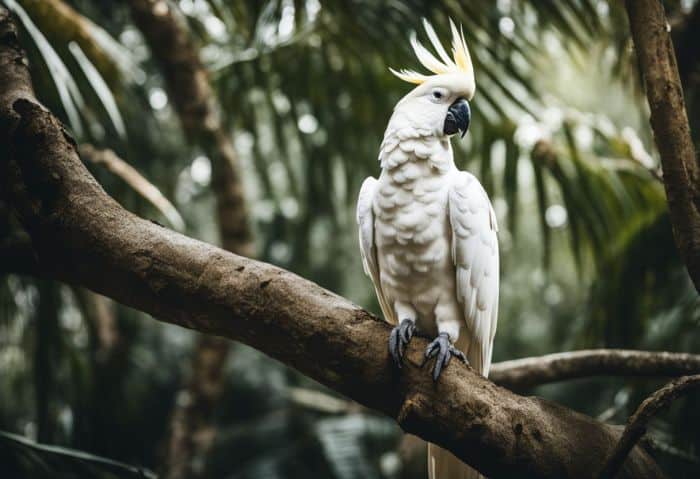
460	62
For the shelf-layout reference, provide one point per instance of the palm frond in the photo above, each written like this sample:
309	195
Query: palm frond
26	458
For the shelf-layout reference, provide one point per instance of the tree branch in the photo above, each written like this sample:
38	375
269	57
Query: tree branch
521	374
84	237
17	256
637	424
669	121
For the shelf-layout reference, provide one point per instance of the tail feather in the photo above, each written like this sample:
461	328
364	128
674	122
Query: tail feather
442	464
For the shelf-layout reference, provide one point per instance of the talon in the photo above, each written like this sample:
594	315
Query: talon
393	350
399	338
407	332
444	349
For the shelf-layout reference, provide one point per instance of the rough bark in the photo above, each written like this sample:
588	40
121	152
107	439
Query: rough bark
637	423
521	374
85	238
190	92
669	121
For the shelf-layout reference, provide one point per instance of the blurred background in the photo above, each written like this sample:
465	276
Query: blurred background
559	138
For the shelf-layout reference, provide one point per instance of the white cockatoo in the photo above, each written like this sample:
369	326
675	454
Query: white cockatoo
428	233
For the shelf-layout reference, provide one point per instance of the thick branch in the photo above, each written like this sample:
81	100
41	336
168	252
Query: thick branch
637	424
521	374
84	237
669	122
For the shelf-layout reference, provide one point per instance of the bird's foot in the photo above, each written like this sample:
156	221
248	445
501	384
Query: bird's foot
399	338
443	348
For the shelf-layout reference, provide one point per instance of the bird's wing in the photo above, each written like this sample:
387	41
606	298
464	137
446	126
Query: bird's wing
475	254
365	222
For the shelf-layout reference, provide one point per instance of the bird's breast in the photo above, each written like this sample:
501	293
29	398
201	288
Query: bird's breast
411	226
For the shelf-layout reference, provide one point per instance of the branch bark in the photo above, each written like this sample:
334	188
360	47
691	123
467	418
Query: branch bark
521	374
669	122
637	424
83	237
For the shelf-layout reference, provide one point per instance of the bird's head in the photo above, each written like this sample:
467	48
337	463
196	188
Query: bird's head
440	102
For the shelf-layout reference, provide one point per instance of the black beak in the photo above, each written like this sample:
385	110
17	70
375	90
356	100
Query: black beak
458	116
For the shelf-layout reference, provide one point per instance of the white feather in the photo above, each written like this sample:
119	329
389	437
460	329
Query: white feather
365	222
436	44
475	255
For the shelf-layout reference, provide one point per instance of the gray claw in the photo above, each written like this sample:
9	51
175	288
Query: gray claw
399	338
444	350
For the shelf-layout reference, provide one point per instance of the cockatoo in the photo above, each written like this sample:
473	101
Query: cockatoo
428	232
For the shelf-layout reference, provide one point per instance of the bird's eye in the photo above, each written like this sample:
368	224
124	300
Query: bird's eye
437	94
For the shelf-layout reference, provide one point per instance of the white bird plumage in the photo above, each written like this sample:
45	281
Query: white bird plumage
427	231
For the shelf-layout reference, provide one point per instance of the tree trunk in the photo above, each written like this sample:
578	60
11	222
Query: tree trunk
669	122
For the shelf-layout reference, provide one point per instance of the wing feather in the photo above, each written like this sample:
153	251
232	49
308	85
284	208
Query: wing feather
475	254
365	222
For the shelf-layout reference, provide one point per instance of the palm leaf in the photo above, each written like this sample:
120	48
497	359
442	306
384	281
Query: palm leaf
29	459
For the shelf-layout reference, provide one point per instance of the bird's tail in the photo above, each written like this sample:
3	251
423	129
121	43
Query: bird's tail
442	464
